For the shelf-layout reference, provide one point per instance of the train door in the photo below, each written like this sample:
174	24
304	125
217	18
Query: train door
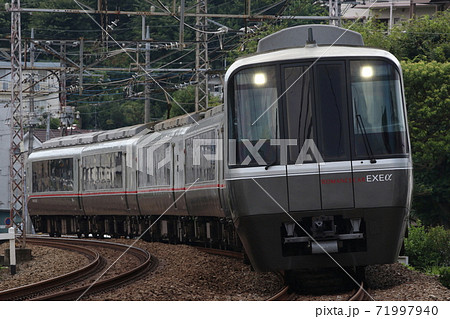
178	168
318	168
333	140
303	182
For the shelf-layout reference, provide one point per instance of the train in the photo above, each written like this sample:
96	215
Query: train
306	165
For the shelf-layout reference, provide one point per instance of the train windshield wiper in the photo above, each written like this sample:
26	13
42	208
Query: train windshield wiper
362	128
271	164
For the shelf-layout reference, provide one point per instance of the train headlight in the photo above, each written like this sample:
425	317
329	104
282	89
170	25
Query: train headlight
259	79
367	71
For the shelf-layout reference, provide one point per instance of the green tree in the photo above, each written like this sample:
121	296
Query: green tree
185	99
427	90
426	38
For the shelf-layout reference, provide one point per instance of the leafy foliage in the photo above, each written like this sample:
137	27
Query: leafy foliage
426	38
427	89
428	247
444	276
185	98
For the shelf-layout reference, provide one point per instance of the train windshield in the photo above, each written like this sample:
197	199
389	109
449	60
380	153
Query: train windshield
316	103
378	120
254	116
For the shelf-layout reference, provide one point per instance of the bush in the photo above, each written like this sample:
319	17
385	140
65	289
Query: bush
427	93
444	276
428	247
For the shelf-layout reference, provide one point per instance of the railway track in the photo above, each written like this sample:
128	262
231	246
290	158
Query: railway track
51	289
220	252
282	294
360	295
285	295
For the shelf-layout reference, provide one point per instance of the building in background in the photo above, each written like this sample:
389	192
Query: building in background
46	101
46	89
392	11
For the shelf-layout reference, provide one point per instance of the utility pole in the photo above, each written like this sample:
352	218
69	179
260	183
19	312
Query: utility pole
16	151
201	57
80	78
412	9
391	22
102	7
147	117
181	37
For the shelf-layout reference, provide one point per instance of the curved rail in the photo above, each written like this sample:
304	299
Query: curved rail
360	295
281	295
284	295
147	263
220	252
28	290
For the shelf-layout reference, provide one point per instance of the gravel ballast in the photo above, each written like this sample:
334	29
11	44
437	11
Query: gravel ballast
185	273
47	263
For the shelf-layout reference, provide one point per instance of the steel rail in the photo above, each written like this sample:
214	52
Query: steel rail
148	263
22	292
360	295
284	295
220	252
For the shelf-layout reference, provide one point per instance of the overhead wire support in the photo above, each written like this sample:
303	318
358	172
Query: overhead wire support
17	171
147	117
201	57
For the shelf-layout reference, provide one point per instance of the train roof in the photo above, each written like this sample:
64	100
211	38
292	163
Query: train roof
65	152
300	36
93	137
311	53
129	131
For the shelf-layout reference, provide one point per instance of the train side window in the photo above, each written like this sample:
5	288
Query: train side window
102	171
206	171
298	96
155	165
52	175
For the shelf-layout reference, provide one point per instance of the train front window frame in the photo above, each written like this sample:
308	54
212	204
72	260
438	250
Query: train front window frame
257	121
379	122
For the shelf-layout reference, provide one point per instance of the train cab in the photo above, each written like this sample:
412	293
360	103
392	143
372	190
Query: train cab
318	159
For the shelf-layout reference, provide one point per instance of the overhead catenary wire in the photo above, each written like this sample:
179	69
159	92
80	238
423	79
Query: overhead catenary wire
111	86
